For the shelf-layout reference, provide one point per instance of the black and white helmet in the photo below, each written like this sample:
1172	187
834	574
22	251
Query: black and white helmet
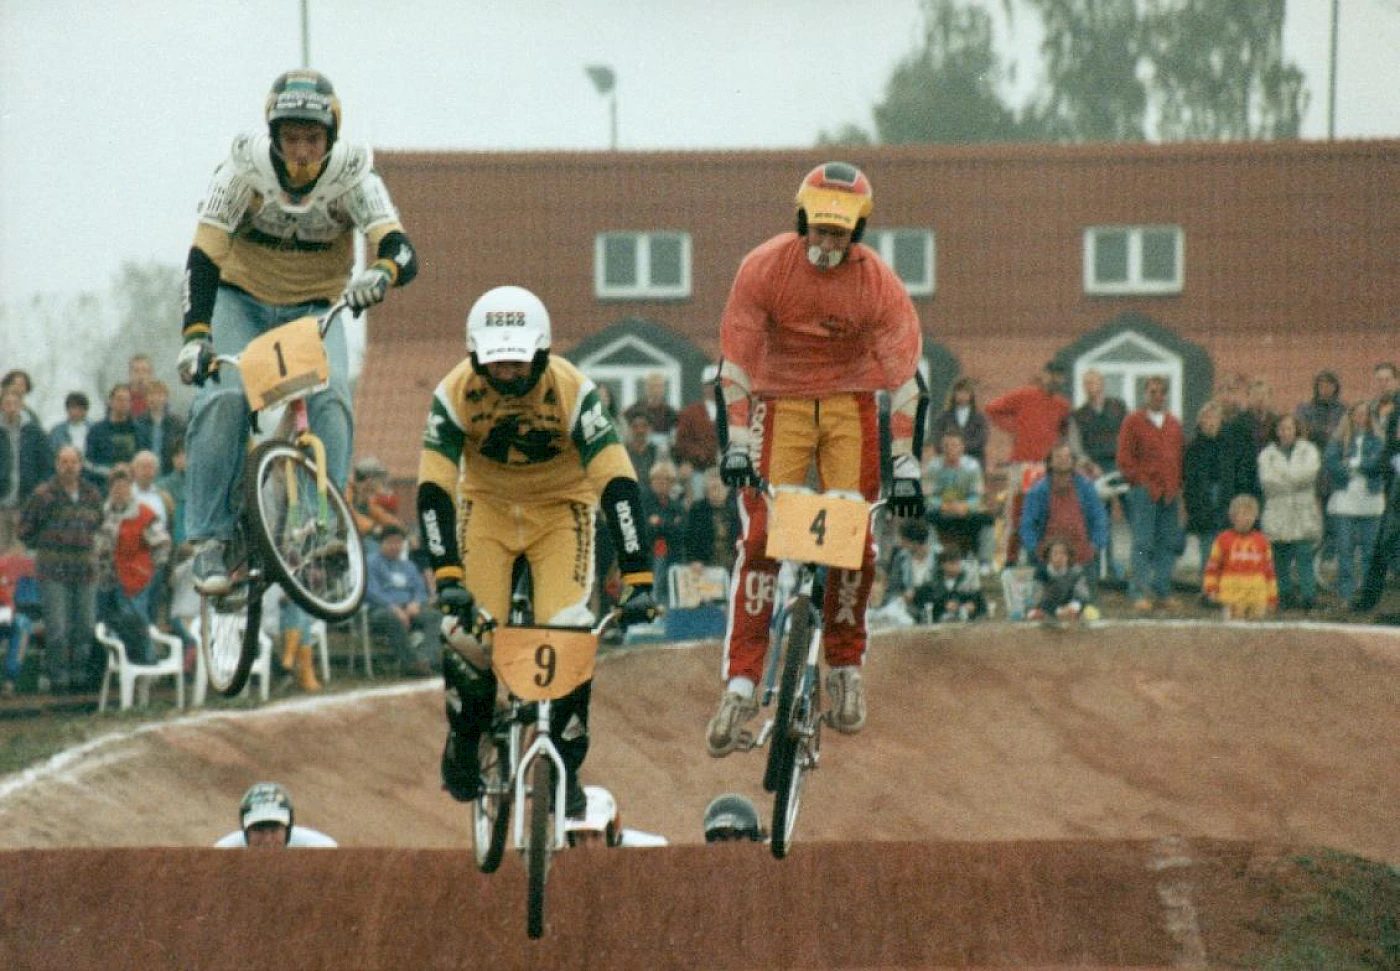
732	816
266	802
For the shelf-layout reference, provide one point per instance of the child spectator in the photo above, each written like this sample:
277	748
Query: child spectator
954	593
913	563
1062	589
15	625
1240	571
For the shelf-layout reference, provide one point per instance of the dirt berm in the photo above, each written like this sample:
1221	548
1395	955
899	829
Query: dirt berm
1130	797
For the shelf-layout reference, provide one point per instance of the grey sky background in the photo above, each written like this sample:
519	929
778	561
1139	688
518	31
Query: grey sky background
114	114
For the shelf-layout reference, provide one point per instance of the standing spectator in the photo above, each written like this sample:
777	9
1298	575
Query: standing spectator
1321	414
1288	471
1035	415
953	483
1207	480
1355	465
60	525
641	445
1239	573
172	486
116	438
663	507
24	461
961	415
74	428
1063	505
1383	385
161	425
19	382
1150	452
712	525
1247	433
139	377
696	444
654	405
1098	421
398	606
132	546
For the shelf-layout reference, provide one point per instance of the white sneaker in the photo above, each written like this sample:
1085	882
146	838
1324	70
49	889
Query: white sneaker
210	571
725	730
847	690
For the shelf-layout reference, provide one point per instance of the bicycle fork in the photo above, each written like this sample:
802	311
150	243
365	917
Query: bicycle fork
541	747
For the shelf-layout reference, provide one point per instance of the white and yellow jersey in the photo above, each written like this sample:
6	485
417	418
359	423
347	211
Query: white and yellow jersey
283	249
555	443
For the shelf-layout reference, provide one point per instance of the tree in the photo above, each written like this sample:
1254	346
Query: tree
146	298
1092	54
945	92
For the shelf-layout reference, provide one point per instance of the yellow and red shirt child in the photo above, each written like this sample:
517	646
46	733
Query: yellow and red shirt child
1240	573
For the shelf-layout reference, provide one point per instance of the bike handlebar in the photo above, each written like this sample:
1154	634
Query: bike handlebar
323	324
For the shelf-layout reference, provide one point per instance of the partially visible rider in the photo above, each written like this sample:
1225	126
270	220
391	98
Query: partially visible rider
601	824
275	243
266	821
732	818
517	455
815	325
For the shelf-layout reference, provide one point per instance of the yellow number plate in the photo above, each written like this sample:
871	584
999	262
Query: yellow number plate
543	662
818	528
283	362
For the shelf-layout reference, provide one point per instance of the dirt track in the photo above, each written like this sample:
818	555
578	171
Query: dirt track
1089	749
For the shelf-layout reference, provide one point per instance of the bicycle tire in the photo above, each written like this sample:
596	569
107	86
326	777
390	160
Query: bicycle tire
491	810
794	659
320	564
537	853
229	639
789	744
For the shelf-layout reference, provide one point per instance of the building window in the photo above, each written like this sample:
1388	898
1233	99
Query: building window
638	266
1126	361
1133	259
910	252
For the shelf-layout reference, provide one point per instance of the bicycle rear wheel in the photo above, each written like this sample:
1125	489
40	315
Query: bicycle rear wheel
788	754
491	811
229	630
541	838
312	550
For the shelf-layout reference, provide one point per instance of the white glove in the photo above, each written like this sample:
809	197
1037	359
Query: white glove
367	288
192	364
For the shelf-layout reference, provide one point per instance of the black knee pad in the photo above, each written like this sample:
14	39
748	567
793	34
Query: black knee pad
470	694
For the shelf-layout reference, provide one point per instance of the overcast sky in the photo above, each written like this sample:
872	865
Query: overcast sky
114	114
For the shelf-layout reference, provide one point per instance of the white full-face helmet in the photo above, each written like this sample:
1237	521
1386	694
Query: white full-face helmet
509	324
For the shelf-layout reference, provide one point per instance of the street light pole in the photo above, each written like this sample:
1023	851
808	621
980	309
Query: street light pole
605	82
305	33
1332	78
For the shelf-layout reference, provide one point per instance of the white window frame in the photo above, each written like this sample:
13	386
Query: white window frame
643	288
1169	365
631	378
1135	284
882	242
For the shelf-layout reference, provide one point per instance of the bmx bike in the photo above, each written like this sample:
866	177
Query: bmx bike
294	528
812	531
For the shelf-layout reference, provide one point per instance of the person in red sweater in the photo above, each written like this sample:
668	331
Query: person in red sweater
1150	449
1239	575
1035	416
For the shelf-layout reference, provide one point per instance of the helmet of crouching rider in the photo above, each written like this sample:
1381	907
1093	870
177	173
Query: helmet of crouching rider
509	324
266	802
732	817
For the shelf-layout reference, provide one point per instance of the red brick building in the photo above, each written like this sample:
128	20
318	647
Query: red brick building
1194	261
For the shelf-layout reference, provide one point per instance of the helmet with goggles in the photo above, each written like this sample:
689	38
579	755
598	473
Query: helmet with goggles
835	194
266	802
302	96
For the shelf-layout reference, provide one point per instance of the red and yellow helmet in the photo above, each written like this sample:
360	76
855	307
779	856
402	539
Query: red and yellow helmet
834	194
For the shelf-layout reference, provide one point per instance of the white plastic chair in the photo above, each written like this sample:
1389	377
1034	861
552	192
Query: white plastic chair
126	671
262	667
320	638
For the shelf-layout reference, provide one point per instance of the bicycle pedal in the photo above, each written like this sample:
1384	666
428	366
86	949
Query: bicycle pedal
764	734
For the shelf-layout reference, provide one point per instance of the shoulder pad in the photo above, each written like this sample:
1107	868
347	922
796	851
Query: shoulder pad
252	153
346	168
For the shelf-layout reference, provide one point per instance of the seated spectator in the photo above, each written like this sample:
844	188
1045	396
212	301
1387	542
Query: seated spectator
398	604
654	405
117	438
131	547
666	515
883	611
953	593
371	501
25	461
1063	504
953	487
1288	472
1239	574
712	525
1207	482
960	415
1355	466
1063	589
15	626
914	562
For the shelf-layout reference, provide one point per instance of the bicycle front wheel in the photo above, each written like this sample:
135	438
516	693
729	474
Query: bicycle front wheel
491	811
541	838
308	539
229	631
788	757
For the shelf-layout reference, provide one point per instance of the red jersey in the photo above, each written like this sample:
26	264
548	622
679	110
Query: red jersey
800	332
1241	569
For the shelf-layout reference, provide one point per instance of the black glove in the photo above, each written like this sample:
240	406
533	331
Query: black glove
907	498
639	607
455	600
736	468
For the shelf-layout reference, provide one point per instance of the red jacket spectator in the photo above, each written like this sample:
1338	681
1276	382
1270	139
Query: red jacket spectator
696	441
1150	456
1034	417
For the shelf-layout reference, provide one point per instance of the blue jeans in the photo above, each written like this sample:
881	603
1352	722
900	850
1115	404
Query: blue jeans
17	634
1157	538
1285	556
219	416
1352	535
70	611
